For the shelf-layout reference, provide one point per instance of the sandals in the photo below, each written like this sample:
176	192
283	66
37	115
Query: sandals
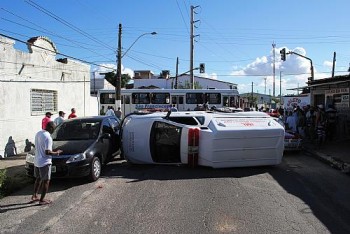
45	202
34	199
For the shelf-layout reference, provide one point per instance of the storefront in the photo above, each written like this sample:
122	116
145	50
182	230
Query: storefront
333	91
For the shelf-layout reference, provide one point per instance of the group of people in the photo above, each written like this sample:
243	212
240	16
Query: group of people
43	155
314	123
111	112
57	120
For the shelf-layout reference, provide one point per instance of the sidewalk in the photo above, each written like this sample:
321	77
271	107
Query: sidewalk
336	153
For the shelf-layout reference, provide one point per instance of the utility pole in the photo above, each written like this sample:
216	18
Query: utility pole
192	36
265	85
280	87
251	103
333	67
274	67
177	73
119	70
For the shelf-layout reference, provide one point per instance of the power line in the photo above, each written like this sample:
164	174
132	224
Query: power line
57	18
65	55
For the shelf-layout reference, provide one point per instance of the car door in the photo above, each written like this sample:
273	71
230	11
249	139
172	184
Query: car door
115	137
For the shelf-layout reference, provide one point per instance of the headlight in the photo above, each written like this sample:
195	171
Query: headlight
76	158
30	158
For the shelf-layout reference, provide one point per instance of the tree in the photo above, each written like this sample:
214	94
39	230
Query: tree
111	77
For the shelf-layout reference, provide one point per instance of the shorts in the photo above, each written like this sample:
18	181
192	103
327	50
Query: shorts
44	173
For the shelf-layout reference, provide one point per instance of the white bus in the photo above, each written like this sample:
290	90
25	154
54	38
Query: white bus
160	99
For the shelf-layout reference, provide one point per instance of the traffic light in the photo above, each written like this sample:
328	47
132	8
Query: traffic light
309	80
201	68
283	54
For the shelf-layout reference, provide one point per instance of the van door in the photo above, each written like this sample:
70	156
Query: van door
165	142
179	102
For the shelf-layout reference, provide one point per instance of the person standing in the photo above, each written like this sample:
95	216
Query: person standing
60	118
42	163
331	115
46	119
110	111
102	110
72	114
118	113
320	124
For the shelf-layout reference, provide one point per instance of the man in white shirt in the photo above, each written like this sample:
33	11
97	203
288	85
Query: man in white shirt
42	162
60	118
110	111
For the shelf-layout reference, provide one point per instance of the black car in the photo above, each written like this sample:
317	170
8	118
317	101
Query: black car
87	144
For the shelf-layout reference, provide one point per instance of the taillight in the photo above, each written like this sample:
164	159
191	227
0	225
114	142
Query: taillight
193	142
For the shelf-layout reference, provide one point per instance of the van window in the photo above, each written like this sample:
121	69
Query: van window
165	143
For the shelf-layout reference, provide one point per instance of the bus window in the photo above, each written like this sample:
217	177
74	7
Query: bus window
160	98
107	98
194	98
213	98
140	98
127	99
225	101
174	100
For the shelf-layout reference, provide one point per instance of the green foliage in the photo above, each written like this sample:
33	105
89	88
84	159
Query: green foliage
111	77
3	182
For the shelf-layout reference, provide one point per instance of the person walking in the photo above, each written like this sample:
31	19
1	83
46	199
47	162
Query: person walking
60	118
42	163
72	114
46	119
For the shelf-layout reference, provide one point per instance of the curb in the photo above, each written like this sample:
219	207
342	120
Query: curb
332	161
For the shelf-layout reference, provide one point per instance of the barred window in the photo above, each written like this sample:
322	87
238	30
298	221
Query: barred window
42	101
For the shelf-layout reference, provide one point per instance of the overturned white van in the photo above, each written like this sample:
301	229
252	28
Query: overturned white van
217	140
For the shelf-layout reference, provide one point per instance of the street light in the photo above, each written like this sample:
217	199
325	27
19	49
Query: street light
119	64
149	33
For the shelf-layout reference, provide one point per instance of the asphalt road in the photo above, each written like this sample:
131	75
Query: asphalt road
302	195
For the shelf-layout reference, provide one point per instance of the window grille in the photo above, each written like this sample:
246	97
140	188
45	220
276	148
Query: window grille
43	101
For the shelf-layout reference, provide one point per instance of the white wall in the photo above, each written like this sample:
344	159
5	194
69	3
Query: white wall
205	83
41	71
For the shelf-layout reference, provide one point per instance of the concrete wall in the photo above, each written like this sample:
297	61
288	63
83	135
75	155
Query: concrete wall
20	72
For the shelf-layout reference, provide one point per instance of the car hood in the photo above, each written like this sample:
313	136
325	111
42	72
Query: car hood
72	147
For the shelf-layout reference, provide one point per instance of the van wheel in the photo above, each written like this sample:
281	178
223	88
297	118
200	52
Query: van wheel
95	170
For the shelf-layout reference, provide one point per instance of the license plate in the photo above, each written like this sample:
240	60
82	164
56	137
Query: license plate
53	169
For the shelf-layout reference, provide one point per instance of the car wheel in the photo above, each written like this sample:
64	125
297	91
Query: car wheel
95	171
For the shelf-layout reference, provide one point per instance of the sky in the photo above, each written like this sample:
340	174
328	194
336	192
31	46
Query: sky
234	39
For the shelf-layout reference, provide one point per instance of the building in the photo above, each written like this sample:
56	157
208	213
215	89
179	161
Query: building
34	83
333	91
164	81
255	100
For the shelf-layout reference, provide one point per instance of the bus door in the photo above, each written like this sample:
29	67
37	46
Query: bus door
179	102
126	104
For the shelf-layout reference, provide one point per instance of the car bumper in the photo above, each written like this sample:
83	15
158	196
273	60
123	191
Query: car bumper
64	170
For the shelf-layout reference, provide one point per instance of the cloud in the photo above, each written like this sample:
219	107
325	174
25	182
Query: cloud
295	71
328	64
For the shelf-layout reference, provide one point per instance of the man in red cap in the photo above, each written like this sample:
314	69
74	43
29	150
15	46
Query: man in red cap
45	120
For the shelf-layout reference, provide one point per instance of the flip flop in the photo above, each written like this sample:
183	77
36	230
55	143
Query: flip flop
45	202
32	200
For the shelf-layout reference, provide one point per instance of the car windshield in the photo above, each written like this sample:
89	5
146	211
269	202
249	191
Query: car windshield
77	130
